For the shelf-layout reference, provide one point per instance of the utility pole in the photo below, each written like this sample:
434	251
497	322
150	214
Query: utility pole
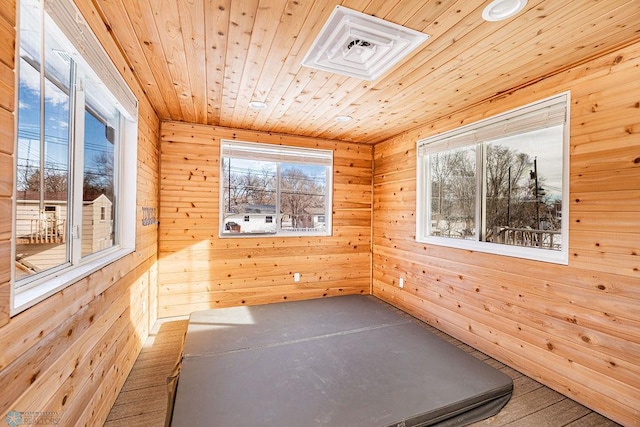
509	199
229	167
534	176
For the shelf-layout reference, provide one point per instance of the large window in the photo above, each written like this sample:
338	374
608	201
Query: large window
499	185
74	115
273	189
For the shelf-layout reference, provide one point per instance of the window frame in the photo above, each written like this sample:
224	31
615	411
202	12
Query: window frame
31	290
278	154
423	189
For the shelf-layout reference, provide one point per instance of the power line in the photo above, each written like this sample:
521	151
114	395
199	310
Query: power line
250	172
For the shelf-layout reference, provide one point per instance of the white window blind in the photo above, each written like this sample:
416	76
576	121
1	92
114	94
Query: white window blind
543	114
69	19
276	153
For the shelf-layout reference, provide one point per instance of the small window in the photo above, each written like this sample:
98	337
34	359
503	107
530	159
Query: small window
499	185
287	186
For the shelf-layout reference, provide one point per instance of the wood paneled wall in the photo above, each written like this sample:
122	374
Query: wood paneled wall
7	142
575	328
71	353
199	270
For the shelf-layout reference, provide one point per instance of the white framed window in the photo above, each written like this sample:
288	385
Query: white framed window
75	149
280	188
500	185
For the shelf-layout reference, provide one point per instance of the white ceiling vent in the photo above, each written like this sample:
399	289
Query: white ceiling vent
359	45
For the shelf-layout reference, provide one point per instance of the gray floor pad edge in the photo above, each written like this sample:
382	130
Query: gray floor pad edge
462	416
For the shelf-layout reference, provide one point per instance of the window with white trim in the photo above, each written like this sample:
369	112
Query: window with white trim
499	185
75	148
281	189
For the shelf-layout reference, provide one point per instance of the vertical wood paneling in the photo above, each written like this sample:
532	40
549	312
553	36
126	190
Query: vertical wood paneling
143	34
199	270
71	353
575	327
217	13
265	25
133	49
241	17
167	21
193	31
291	79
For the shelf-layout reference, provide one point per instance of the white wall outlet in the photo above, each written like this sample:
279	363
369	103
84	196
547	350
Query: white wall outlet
401	283
296	277
144	307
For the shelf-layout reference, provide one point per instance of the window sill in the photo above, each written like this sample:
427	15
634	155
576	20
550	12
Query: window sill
534	254
279	234
37	291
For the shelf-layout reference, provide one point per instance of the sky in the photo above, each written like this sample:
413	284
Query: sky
57	52
56	121
542	144
56	125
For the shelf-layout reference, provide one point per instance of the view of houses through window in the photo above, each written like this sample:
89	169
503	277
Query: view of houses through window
261	195
58	122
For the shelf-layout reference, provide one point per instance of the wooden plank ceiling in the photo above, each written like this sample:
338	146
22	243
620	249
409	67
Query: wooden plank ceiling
203	61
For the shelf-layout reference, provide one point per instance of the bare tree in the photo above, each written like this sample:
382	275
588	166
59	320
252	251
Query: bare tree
55	182
515	194
98	179
299	193
453	192
505	191
259	187
513	197
235	190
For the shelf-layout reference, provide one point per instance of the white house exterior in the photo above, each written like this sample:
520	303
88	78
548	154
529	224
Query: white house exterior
41	234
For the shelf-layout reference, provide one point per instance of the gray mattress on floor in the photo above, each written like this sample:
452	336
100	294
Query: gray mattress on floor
344	361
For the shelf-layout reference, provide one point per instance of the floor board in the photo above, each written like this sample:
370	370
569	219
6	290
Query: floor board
143	399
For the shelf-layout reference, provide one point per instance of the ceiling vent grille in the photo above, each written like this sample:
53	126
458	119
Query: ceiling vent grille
359	45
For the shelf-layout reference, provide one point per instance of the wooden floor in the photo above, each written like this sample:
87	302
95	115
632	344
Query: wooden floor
143	399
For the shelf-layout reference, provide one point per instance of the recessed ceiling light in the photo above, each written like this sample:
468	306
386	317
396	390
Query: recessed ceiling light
343	119
258	105
499	10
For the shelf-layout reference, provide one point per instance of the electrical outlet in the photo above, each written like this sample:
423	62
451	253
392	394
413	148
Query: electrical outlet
296	277
401	283
144	307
